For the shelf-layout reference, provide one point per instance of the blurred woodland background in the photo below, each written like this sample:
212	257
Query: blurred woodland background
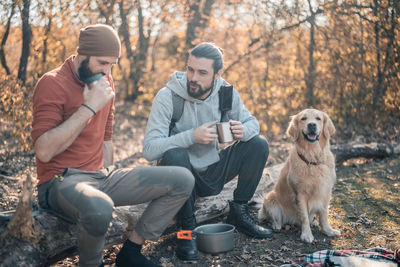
282	55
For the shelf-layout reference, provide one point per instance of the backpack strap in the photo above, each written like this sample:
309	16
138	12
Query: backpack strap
177	104
225	100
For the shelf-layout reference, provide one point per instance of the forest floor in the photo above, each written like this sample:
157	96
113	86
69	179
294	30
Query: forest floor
365	205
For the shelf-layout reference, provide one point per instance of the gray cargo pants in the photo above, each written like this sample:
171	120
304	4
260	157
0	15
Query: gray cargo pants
88	198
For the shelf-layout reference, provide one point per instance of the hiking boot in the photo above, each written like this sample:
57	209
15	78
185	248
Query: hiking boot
186	249
130	256
240	217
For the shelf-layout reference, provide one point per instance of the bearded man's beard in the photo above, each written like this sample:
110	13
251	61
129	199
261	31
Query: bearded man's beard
200	90
83	71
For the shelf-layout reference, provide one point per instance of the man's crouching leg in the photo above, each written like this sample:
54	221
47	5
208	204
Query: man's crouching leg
186	248
94	222
169	187
75	197
249	158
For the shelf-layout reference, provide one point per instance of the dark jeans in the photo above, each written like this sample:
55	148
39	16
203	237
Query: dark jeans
245	159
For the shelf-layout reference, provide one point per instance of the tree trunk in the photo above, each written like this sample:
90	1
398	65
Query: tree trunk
139	56
389	60
45	48
4	40
138	64
377	87
124	31
106	9
310	77
198	19
26	41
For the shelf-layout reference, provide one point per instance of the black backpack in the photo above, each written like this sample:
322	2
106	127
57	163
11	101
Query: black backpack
225	104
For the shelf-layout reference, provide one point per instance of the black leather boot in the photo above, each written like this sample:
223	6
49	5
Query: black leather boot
130	256
240	217
187	249
186	243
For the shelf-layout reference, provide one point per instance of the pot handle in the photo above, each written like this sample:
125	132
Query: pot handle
185	234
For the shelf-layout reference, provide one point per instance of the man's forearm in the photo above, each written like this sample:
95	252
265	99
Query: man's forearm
58	139
154	147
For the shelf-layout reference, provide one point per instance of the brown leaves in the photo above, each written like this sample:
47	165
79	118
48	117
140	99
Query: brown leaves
16	108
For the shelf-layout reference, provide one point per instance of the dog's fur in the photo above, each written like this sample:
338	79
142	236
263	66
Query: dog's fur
305	183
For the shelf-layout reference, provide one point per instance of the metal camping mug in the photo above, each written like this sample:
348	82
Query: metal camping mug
224	132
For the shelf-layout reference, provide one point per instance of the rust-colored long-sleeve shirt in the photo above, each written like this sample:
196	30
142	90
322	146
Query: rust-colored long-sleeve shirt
58	94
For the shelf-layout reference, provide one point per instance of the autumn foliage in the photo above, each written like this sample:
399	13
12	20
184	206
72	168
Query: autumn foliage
283	56
15	107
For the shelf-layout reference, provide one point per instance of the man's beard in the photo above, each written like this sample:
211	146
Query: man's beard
200	92
83	71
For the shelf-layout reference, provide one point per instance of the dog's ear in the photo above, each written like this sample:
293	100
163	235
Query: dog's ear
329	128
293	129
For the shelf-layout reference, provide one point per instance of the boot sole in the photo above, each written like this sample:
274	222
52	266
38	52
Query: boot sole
253	235
185	258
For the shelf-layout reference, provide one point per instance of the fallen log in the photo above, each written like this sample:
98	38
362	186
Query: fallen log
57	238
370	151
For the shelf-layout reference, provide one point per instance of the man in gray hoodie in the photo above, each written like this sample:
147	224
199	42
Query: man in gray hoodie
193	142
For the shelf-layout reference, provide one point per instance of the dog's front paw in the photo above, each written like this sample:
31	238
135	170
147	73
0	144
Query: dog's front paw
331	232
276	226
307	237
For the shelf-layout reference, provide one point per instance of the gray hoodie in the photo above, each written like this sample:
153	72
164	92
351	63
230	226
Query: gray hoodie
195	113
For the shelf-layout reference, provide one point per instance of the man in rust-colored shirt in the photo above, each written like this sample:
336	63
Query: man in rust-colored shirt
73	111
58	95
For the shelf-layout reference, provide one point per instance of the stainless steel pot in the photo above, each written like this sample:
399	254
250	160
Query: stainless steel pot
215	238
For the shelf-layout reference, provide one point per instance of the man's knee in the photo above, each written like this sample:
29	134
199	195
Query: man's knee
183	181
96	215
259	145
176	157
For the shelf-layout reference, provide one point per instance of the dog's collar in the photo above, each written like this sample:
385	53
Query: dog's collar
306	161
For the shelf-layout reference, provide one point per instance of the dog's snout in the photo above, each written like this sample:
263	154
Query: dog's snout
312	127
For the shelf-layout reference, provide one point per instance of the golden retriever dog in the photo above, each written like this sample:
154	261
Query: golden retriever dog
305	183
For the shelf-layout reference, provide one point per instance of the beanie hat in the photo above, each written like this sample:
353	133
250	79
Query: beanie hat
99	40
